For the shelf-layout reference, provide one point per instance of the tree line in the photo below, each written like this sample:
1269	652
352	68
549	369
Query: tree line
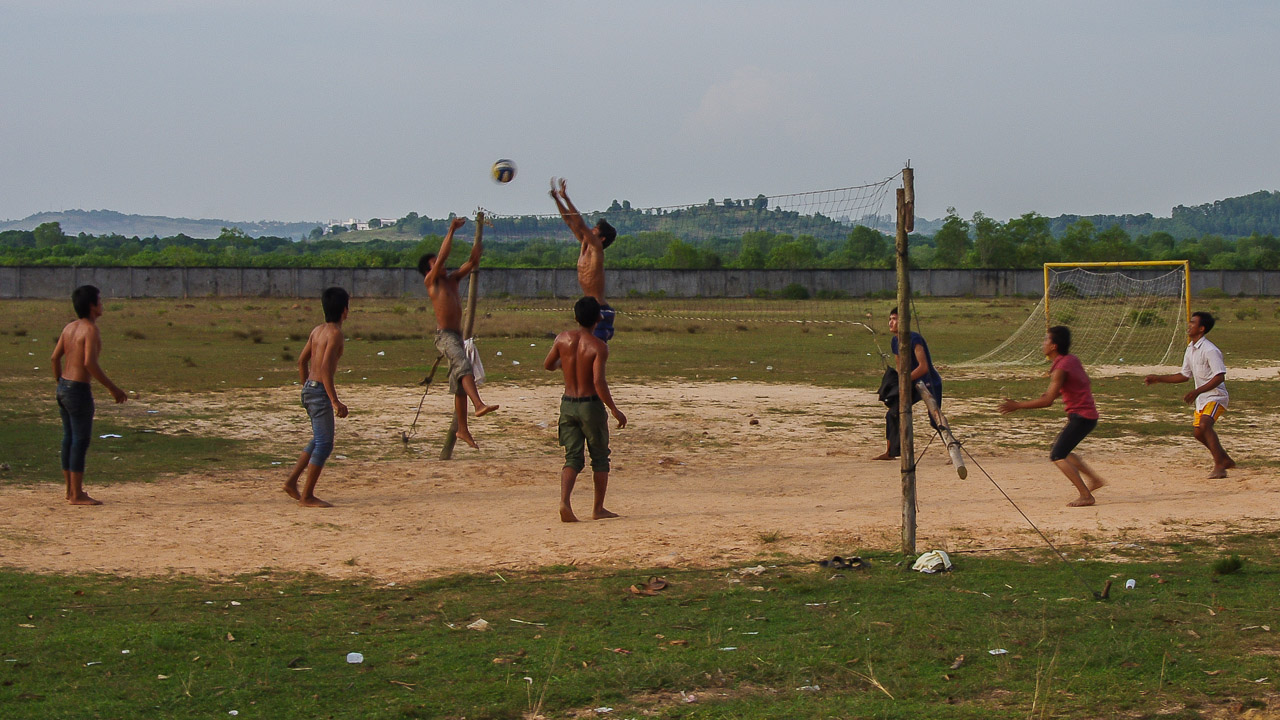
979	242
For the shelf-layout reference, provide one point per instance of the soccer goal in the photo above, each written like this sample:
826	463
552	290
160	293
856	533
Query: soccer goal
1119	313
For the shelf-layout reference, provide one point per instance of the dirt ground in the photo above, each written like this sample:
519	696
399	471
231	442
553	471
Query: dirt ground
704	475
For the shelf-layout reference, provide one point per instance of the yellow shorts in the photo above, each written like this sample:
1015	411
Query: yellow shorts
1211	410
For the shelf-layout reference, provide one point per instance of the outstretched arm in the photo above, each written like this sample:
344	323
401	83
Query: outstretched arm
602	386
1055	388
443	255
473	262
569	213
1174	378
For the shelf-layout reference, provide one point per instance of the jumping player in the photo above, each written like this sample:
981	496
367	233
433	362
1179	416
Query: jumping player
442	287
582	356
316	366
79	345
1068	379
591	255
1203	363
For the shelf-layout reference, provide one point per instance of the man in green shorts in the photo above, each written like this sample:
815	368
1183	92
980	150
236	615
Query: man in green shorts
582	357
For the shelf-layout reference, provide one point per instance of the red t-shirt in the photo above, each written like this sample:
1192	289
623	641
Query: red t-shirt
1076	392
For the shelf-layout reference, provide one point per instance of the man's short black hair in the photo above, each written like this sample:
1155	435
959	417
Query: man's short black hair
607	232
894	311
334	300
1206	320
83	299
424	263
1060	335
587	311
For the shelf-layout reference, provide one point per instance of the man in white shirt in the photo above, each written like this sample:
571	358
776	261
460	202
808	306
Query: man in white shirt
1203	363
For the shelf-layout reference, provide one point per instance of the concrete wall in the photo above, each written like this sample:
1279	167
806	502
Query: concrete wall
57	282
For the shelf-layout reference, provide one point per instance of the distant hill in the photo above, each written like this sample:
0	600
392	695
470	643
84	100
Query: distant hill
1231	218
109	222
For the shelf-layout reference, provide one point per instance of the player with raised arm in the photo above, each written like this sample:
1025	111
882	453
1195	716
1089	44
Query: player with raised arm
75	360
593	241
1202	362
582	356
442	287
1068	379
317	364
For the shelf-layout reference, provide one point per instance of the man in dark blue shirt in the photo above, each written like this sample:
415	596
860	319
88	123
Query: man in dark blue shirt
922	368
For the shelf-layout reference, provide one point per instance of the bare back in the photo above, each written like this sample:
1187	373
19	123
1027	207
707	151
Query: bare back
579	351
326	346
79	345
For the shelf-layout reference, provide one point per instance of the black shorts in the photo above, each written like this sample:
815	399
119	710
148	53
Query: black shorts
1076	430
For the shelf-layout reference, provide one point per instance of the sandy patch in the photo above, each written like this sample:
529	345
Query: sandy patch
696	482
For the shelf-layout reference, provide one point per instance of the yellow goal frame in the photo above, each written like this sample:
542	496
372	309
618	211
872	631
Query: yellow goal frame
1186	276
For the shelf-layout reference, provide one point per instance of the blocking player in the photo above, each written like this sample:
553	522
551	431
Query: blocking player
593	241
1202	362
442	287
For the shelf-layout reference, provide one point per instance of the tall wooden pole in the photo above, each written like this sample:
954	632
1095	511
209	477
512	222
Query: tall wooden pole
906	221
468	325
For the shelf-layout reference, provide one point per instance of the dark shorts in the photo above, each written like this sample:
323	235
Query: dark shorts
584	421
604	328
1076	430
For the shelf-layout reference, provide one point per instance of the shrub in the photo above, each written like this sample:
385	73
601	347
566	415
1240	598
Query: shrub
1250	313
1227	565
1143	318
794	291
1212	292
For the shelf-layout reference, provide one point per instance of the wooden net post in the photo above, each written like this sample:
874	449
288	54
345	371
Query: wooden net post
468	325
906	208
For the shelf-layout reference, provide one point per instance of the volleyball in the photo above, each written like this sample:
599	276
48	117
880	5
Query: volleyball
504	171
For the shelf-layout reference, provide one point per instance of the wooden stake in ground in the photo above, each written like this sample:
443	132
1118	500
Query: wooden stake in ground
906	205
468	325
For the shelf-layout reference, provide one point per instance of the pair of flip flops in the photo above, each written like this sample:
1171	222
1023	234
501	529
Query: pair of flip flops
838	562
651	587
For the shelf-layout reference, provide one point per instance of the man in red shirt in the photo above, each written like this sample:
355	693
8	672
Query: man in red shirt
1068	379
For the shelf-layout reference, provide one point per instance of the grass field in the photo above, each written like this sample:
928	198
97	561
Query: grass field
1188	642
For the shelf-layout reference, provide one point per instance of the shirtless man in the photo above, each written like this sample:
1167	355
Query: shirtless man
1202	363
442	287
79	346
582	356
591	256
317	363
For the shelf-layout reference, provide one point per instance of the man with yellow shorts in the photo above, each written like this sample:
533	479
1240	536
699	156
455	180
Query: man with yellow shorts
1203	363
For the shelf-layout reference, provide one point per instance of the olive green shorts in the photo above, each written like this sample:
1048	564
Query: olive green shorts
584	421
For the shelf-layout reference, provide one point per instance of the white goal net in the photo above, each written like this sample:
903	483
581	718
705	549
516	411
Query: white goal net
1118	314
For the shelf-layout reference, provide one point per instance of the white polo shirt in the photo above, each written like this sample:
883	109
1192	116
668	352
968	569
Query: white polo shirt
1202	362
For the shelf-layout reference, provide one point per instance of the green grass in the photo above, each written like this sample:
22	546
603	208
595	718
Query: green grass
1184	640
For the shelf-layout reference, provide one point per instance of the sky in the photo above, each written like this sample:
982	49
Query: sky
310	110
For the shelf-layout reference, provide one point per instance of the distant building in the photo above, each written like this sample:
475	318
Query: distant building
353	224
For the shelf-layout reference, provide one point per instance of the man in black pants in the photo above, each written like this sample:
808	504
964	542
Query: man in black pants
921	368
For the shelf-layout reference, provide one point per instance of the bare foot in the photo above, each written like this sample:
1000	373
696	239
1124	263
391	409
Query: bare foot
566	514
885	456
465	436
291	489
1218	473
1230	464
486	410
602	514
1081	502
84	499
1095	483
313	501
